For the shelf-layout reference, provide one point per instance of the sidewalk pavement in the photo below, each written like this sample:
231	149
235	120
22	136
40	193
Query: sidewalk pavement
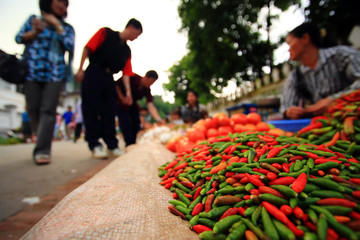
22	182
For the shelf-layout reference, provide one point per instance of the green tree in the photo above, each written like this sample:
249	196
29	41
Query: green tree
224	43
338	17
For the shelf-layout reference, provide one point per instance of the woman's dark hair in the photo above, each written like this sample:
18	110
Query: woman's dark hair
195	93
310	29
136	23
152	74
45	5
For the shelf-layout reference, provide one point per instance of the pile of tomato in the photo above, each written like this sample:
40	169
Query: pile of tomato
221	125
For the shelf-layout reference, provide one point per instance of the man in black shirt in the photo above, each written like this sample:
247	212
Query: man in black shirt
129	117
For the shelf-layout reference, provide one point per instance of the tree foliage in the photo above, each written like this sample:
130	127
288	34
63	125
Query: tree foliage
338	17
224	43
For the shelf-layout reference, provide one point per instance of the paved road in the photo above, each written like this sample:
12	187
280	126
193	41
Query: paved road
21	179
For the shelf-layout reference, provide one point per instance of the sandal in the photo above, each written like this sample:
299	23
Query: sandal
42	159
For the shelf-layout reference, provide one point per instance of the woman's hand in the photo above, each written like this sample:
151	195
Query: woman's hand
319	107
53	21
295	112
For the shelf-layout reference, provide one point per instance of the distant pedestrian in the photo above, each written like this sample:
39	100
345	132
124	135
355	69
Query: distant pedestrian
68	117
46	39
192	111
78	121
108	53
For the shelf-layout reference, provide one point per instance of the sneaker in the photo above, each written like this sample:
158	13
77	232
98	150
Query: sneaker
116	152
99	153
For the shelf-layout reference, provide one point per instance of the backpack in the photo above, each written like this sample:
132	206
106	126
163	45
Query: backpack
12	68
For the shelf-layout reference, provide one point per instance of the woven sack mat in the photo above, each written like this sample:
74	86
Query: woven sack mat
123	201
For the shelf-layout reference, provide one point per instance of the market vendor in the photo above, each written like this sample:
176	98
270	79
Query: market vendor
129	116
322	74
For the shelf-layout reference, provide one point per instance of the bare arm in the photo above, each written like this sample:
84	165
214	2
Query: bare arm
154	112
80	74
128	98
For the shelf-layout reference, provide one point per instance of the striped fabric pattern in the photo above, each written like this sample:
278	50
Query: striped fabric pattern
337	72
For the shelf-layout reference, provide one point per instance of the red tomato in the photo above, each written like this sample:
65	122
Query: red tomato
171	144
211	122
239	118
239	128
262	126
201	128
224	121
253	118
212	132
249	127
194	135
224	130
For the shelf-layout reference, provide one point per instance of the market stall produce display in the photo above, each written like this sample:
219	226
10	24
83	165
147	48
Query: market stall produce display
261	185
256	184
339	127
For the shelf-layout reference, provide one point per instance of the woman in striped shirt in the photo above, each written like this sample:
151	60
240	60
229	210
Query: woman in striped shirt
321	76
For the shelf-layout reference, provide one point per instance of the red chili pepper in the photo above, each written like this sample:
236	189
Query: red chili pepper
176	212
254	192
201	228
233	159
178	172
286	209
293	159
197	193
337	201
254	180
229	174
187	184
241	211
299	184
271	176
297	232
250	235
247	197
355	215
233	149
197	209
187	195
169	180
277	165
229	212
168	185
279	215
286	167
244	180
218	168
356	194
170	165
298	212
310	127
282	181
355	180
181	165
222	139
273	152
333	140
321	173
312	155
209	201
239	175
211	191
266	189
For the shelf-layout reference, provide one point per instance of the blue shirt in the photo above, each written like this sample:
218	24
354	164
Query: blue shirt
67	116
337	72
45	54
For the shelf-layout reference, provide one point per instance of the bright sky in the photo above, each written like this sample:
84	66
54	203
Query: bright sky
158	48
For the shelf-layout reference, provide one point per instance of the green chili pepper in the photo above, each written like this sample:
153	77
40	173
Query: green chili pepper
273	199
269	226
225	223
258	232
256	215
182	197
237	233
274	160
327	184
284	232
209	235
312	215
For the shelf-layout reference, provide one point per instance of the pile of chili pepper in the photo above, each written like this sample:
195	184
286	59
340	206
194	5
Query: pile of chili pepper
339	127
256	185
